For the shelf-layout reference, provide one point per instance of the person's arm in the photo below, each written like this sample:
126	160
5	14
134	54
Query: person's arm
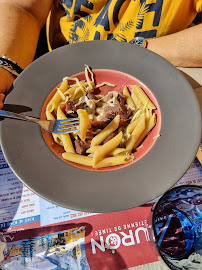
182	49
20	25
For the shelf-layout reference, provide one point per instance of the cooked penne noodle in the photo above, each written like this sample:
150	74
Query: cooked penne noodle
57	139
72	88
136	100
106	148
60	114
84	160
67	143
135	134
79	83
148	114
109	115
129	100
93	149
132	125
117	151
76	95
49	116
143	97
140	126
114	152
111	127
149	125
53	104
113	161
65	138
84	123
137	114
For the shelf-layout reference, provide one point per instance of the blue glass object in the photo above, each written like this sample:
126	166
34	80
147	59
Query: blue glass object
177	225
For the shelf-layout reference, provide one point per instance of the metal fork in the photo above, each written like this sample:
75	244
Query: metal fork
69	125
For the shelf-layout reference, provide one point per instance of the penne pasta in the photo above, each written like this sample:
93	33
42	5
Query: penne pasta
60	114
150	124
129	100
79	83
100	119
143	97
132	125
65	138
84	160
106	148
117	151
93	149
135	134
136	100
72	89
114	152
57	139
111	127
114	161
84	123
53	104
67	143
49	116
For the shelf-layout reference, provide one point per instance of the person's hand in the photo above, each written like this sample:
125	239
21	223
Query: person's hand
6	80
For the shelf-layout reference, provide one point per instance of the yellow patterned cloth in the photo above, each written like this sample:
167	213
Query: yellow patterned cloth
72	21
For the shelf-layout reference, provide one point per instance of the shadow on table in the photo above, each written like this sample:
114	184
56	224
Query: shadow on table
192	82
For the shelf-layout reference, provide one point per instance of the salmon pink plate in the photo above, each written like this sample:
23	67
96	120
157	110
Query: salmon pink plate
139	132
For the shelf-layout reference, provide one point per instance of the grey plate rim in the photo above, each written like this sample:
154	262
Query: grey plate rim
103	191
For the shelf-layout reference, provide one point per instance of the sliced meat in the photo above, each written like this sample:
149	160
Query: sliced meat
71	107
90	96
126	122
111	136
121	99
104	123
100	126
81	146
95	130
118	109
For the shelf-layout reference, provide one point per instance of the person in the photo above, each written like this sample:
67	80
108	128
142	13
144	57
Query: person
163	23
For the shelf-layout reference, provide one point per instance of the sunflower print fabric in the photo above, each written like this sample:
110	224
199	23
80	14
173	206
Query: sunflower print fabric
72	21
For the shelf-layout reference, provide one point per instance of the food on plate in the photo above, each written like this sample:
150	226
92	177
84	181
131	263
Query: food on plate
112	126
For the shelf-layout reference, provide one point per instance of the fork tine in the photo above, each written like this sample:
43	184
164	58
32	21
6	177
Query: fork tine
68	124
67	128
69	120
66	131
